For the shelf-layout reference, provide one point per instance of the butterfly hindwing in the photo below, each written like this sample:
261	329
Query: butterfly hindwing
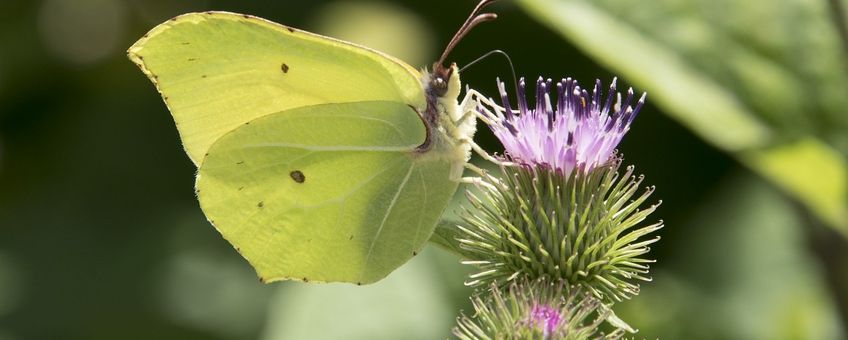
333	192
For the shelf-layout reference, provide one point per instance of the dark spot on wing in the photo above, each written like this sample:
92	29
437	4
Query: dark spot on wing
209	12
290	29
260	204
240	163
261	280
350	238
192	59
185	43
203	76
305	280
239	189
285	68
298	176
359	283
414	253
140	57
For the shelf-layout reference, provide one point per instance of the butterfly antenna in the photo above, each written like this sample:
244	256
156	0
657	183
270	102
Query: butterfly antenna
490	53
475	18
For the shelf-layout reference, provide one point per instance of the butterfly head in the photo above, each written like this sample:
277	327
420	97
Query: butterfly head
441	80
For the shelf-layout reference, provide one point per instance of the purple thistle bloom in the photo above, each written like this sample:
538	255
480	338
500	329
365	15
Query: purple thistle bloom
579	132
546	317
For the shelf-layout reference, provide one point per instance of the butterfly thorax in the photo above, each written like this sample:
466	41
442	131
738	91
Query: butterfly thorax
449	126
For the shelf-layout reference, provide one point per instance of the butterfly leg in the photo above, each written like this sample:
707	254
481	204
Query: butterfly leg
483	108
479	150
468	107
477	105
478	182
476	169
490	182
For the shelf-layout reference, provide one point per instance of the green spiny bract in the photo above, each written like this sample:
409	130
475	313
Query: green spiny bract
534	221
537	310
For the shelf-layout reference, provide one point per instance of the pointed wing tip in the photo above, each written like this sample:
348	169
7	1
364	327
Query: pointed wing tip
133	52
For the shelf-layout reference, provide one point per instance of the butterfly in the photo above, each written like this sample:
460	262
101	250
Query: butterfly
318	159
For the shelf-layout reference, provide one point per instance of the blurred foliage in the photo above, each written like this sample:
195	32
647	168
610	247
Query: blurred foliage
415	302
745	273
765	80
101	236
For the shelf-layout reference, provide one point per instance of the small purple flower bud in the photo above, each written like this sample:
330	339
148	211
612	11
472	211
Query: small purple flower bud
545	317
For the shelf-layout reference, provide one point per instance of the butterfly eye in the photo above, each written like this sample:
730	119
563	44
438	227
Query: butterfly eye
438	86
439	81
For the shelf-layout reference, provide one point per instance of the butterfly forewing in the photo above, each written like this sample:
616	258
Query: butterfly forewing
218	70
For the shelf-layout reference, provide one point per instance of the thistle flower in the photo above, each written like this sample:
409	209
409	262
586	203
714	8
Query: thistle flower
579	132
538	310
541	218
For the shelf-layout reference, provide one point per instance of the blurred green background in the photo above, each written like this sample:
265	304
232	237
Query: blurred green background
745	137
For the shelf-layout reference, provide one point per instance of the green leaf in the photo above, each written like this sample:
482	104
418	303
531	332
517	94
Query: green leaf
773	97
812	172
744	273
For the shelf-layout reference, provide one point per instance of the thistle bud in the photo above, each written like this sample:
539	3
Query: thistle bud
538	310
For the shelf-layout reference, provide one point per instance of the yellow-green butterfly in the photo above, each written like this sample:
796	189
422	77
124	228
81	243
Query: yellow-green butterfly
318	159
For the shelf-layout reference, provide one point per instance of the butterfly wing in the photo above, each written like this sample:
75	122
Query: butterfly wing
218	70
333	192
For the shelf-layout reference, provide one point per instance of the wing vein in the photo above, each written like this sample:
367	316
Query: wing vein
420	213
334	147
386	216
